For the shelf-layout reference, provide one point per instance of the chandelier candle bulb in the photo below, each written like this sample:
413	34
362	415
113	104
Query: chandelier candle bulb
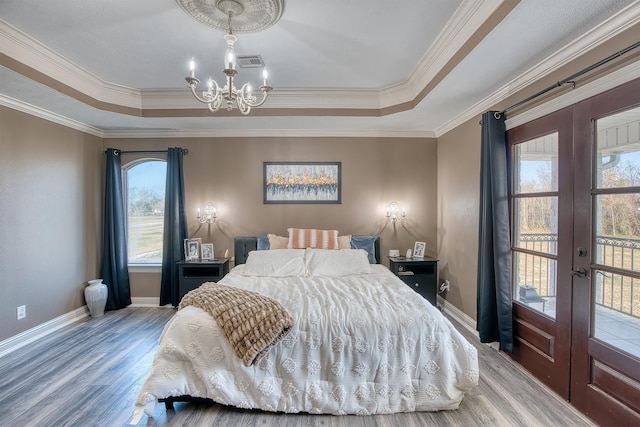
264	77
230	59
192	68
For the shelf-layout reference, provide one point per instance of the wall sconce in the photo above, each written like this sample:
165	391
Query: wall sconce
209	215
395	212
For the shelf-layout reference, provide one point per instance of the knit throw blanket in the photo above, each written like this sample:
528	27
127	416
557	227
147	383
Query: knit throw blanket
251	322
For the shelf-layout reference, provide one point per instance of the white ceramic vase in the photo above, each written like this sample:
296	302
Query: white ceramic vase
96	297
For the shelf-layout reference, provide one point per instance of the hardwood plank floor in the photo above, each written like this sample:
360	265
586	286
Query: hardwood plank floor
89	374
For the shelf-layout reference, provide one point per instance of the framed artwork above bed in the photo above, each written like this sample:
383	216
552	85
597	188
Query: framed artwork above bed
302	182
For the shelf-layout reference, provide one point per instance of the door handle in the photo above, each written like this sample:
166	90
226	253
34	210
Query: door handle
580	272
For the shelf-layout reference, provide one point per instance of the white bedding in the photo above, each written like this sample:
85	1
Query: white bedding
361	344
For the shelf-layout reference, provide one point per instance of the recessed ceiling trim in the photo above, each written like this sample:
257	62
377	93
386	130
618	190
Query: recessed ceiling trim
459	30
268	133
290	99
32	110
28	51
465	22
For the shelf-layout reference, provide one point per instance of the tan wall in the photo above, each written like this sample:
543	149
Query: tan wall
50	218
458	203
375	171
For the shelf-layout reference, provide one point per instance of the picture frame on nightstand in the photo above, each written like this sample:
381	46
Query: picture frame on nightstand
418	249
207	251
192	248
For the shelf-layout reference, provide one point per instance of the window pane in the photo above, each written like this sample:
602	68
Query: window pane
618	230
536	165
618	150
145	211
617	311
536	226
535	282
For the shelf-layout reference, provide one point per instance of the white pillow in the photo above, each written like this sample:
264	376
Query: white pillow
340	262
275	263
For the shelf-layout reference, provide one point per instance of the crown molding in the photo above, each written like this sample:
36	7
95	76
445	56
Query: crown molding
35	55
179	99
222	133
458	31
266	133
49	116
610	28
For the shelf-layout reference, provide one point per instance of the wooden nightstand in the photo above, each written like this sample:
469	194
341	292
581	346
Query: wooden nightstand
421	274
192	274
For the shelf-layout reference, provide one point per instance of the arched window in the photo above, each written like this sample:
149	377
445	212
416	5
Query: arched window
144	185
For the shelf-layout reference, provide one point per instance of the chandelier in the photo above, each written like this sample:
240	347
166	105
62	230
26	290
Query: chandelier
215	96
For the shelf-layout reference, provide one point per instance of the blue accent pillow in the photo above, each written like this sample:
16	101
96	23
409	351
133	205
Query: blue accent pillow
263	243
368	244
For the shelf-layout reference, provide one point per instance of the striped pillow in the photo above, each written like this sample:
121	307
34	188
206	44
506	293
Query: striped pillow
303	238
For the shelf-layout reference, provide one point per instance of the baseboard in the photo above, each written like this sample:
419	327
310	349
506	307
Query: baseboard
145	302
37	332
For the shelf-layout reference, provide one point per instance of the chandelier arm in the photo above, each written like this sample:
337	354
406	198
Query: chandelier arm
216	103
255	102
243	106
203	100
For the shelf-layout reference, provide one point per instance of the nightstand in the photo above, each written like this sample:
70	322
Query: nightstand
421	274
192	274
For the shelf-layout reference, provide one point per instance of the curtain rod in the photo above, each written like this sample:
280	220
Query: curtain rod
571	78
117	152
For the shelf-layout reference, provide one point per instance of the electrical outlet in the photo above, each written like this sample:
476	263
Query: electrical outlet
445	286
21	312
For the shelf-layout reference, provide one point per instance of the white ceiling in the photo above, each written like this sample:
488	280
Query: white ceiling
338	67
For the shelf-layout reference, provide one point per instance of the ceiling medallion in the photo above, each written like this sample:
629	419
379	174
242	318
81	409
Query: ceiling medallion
249	16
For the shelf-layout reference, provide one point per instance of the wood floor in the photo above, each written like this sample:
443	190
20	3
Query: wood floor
89	373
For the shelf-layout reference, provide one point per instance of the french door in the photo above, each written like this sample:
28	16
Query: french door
575	205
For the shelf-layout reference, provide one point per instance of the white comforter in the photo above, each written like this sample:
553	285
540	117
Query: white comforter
361	344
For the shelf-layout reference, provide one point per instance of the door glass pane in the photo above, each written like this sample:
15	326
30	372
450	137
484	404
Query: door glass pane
535	283
536	224
616	294
617	311
618	150
617	240
536	165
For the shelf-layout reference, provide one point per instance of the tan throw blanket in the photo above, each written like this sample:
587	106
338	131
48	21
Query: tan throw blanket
253	323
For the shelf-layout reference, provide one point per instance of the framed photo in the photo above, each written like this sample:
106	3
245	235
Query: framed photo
418	250
192	249
207	251
302	182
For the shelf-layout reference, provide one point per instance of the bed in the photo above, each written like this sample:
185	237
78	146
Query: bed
361	341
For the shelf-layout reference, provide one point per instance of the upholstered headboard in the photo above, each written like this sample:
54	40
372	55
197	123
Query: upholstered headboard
243	245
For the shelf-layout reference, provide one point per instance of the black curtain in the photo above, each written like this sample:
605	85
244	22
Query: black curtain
115	272
494	245
175	227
